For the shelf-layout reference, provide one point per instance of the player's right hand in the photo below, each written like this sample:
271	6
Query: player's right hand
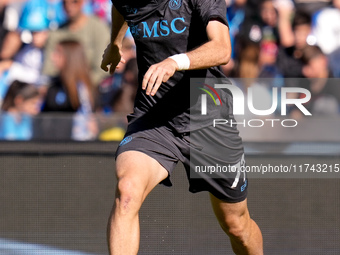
112	57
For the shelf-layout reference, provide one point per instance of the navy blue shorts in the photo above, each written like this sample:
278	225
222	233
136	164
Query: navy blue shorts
213	160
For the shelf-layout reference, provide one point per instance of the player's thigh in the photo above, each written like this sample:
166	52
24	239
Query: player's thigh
230	215
138	172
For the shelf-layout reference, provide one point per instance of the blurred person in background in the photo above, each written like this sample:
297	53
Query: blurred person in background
55	10
27	63
9	38
268	60
89	30
123	100
324	88
3	16
289	58
71	90
22	101
235	16
285	12
259	24
326	29
247	62
269	19
249	68
256	27
102	9
269	76
51	10
9	19
110	86
311	6
4	20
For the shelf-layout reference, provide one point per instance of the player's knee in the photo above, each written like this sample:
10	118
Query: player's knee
237	228
128	196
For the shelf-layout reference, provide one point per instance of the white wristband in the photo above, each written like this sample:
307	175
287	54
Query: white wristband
182	61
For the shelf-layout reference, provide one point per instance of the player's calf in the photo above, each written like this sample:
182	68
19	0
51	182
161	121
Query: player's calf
234	225
238	230
244	234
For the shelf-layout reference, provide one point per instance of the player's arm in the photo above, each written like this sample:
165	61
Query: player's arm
216	51
112	54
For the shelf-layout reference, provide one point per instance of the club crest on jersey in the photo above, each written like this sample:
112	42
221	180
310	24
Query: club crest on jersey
134	29
125	140
131	9
175	4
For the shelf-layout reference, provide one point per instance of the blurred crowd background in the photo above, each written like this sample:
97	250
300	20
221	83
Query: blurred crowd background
50	54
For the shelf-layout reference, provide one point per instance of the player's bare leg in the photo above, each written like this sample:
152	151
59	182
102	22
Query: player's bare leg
137	175
244	234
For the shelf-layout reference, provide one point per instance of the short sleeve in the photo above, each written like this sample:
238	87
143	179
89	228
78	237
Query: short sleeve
211	9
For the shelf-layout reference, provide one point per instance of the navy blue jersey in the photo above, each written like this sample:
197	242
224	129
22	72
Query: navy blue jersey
162	28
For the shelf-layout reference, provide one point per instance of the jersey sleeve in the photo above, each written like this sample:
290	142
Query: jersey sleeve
211	9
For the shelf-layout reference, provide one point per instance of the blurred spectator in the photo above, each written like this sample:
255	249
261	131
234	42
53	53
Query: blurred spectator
250	30
3	29
257	26
262	24
91	32
27	63
54	10
257	61
128	50
327	28
235	16
111	85
102	9
285	12
268	59
289	57
325	90
311	6
247	62
56	13
315	64
9	38
269	19
255	65
327	32
21	102
72	90
4	17
302	30
123	99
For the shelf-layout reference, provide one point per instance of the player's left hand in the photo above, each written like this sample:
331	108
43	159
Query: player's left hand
158	73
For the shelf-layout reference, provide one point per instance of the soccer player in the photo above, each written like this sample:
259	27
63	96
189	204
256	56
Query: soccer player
175	40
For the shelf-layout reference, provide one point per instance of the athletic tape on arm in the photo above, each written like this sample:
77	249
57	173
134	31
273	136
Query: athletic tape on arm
182	61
